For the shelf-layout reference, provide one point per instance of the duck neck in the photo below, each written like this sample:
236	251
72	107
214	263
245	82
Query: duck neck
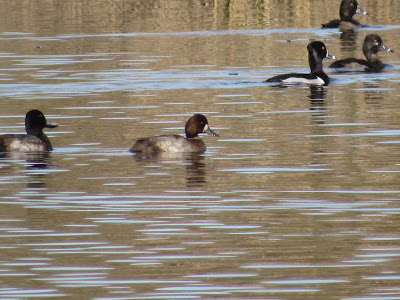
33	131
315	63
346	17
191	136
46	141
375	64
372	57
41	136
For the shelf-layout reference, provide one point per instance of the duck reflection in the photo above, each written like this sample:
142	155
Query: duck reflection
195	165
317	103
373	93
348	41
195	170
34	162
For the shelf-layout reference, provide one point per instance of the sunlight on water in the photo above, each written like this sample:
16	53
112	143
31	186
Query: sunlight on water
297	198
272	170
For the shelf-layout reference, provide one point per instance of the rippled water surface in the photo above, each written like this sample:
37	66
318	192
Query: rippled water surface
299	197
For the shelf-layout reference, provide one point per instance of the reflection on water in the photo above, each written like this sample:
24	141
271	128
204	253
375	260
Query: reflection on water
35	166
318	101
349	42
374	94
196	171
194	163
298	199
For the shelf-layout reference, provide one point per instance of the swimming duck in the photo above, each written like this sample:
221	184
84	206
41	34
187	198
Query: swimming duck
372	44
34	140
316	53
348	8
176	143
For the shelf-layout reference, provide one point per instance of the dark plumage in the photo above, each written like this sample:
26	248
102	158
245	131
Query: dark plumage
316	53
372	45
348	8
176	143
34	140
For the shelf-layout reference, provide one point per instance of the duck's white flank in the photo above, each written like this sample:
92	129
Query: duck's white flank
317	80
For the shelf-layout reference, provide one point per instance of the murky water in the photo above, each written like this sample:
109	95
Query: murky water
297	199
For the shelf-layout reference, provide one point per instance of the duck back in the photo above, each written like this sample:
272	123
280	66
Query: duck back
350	62
168	143
23	142
332	24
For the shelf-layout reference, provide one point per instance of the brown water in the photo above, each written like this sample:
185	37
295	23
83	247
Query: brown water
297	199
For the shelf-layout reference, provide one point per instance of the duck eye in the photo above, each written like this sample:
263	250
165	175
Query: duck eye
323	48
351	4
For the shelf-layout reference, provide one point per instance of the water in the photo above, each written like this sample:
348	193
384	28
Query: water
297	198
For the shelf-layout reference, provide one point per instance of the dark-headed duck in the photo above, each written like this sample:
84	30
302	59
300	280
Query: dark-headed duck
316	53
34	140
176	143
348	8
372	44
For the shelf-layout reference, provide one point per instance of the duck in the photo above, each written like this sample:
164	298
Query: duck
316	53
348	8
35	140
176	143
372	45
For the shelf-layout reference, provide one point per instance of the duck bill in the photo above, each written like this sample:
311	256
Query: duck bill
51	124
360	11
330	55
383	48
209	131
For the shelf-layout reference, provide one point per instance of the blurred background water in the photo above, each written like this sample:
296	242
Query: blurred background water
297	199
